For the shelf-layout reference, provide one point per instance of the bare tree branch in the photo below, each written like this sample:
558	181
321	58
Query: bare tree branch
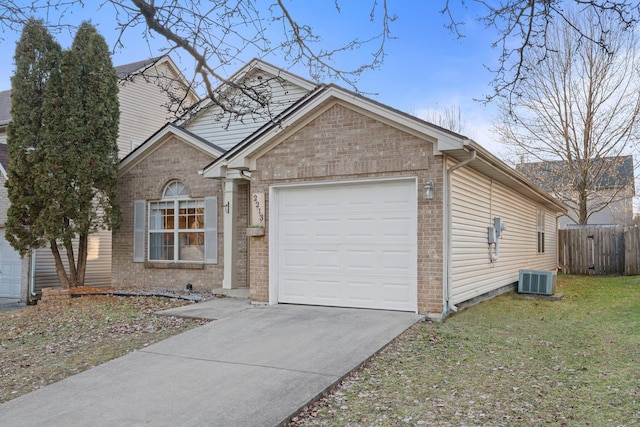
522	27
578	112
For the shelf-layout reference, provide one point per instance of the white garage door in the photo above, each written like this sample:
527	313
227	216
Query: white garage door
348	244
10	268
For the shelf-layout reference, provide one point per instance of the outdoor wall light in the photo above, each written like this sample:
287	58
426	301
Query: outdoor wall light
428	191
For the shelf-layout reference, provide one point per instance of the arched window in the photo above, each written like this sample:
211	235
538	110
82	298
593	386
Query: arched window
176	226
175	189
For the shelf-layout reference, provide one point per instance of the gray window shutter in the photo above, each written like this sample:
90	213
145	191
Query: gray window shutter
211	230
139	208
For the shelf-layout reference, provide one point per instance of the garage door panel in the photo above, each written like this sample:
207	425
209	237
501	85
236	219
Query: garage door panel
358	249
397	261
295	228
294	288
397	293
397	227
294	259
325	228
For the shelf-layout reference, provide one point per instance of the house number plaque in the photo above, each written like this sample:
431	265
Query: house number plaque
257	210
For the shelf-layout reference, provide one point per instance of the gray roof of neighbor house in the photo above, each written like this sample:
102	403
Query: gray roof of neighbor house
128	69
4	156
122	70
607	172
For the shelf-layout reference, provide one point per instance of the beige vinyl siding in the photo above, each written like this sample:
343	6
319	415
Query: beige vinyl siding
3	137
98	263
143	107
227	133
475	201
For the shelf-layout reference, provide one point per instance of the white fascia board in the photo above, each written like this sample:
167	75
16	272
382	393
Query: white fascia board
444	140
216	171
3	172
278	72
151	145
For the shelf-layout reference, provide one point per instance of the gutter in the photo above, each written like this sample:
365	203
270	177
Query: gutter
448	220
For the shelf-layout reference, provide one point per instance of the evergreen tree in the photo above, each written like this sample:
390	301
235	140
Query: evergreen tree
75	174
36	55
95	151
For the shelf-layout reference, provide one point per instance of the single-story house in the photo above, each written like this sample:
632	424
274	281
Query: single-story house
148	91
335	199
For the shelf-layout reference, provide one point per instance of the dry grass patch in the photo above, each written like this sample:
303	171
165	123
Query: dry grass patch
509	361
45	343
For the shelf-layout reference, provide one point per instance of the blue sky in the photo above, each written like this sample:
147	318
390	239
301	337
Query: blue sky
426	66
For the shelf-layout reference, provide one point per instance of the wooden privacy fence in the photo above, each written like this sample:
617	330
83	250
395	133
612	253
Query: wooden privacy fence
600	249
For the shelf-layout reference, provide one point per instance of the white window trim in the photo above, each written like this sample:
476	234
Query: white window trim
176	230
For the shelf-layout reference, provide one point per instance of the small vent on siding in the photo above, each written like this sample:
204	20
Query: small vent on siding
537	282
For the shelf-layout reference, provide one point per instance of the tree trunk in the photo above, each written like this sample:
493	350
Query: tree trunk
82	259
60	270
582	208
73	274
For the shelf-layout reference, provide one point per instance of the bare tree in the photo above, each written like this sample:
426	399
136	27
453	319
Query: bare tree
450	118
577	112
216	33
524	30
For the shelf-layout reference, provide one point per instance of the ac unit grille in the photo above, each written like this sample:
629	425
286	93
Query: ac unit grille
537	282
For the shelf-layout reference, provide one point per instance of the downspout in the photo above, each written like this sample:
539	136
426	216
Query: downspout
32	274
449	306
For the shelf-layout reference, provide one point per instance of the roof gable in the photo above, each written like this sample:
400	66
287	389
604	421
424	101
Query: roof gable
159	138
243	155
125	71
227	129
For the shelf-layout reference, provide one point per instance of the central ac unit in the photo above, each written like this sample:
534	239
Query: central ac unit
537	282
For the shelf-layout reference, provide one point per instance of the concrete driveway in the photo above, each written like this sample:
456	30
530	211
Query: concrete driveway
256	366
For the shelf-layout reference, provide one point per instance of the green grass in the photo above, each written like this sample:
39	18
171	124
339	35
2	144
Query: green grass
507	361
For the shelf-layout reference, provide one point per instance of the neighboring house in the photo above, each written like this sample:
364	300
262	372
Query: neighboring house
10	262
148	91
338	200
610	198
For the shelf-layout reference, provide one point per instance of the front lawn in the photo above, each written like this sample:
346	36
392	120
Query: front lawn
508	361
48	342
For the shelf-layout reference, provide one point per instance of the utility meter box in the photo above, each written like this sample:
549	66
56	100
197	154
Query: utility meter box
491	235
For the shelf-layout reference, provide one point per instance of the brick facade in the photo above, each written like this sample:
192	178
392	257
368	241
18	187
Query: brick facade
173	160
342	144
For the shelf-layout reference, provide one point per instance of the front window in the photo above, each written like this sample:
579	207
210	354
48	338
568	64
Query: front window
176	226
540	230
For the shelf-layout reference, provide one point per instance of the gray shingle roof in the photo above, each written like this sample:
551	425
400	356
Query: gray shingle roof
128	69
608	172
122	70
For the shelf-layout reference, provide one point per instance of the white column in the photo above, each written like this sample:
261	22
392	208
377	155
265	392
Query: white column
230	224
